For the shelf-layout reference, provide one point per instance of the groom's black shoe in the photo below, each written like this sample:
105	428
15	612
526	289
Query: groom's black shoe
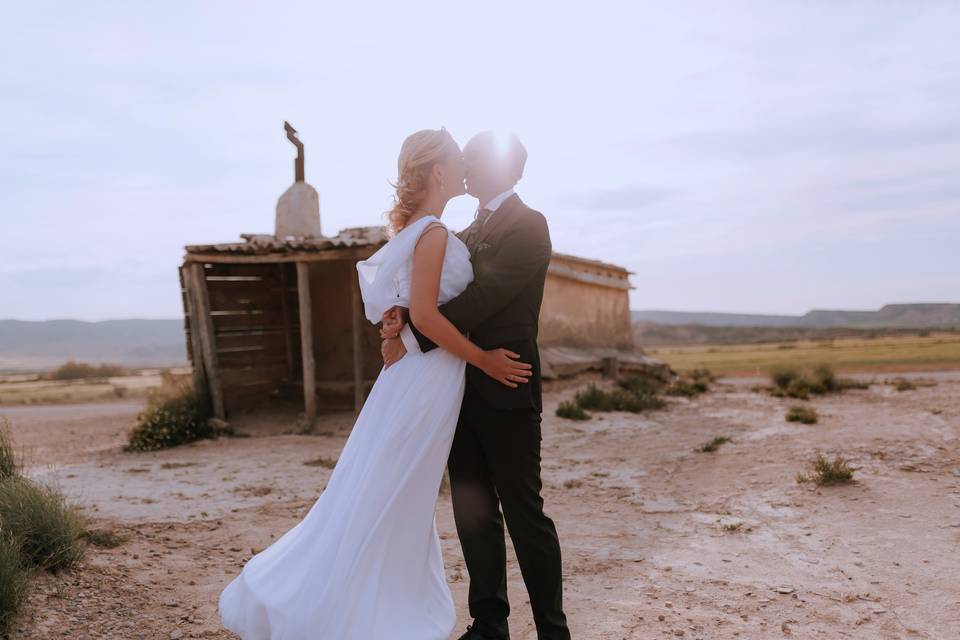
474	633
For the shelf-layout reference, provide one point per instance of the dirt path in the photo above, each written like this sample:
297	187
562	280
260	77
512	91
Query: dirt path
659	541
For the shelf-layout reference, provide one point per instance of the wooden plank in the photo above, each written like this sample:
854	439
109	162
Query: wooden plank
230	270
356	329
222	299
233	377
251	320
259	358
351	253
263	340
285	312
196	350
306	345
207	344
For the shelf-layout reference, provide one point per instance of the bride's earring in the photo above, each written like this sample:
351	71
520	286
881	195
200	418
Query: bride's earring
441	185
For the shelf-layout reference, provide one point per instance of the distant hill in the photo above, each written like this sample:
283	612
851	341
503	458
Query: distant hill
917	316
26	345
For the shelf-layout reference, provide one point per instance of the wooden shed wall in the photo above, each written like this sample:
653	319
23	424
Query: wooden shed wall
255	314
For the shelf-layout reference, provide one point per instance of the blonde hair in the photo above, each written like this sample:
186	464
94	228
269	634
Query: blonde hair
418	155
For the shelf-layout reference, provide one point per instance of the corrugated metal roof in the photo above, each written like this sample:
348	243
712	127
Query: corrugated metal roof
265	244
258	243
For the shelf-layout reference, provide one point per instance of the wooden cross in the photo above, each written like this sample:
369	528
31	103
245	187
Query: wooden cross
298	163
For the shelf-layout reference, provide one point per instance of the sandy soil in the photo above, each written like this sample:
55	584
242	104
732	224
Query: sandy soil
649	528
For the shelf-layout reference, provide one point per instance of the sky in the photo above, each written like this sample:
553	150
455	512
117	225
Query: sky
764	157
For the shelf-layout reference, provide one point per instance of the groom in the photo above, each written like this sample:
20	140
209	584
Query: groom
495	458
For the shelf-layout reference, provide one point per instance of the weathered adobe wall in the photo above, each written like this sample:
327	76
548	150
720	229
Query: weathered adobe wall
582	314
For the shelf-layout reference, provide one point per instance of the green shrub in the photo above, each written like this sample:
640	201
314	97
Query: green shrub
641	398
13	578
8	462
701	375
103	538
825	472
636	402
176	414
825	378
46	526
798	388
794	383
686	388
798	413
905	385
783	376
572	411
713	445
638	385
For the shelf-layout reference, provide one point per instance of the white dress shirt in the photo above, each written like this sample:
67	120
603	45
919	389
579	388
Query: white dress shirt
406	334
495	203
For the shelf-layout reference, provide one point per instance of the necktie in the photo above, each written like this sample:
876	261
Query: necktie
482	216
474	231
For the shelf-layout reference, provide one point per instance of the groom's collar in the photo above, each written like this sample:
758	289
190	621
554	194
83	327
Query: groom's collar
496	201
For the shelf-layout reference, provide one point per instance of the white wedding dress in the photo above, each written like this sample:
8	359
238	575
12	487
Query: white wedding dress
365	562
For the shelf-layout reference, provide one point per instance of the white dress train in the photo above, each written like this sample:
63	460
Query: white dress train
365	562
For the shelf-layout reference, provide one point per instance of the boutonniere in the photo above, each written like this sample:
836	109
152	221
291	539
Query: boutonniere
481	246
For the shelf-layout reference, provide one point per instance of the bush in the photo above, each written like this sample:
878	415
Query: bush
79	370
801	414
783	376
713	445
633	395
8	463
103	538
39	517
13	578
823	375
687	388
572	411
794	383
638	385
176	414
824	472
701	375
905	385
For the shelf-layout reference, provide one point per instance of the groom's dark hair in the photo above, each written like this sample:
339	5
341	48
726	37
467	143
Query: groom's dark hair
507	149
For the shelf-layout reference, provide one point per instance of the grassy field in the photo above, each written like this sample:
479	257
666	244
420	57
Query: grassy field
899	353
32	389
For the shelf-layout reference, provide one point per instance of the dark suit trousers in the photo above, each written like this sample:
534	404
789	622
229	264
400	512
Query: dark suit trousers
494	463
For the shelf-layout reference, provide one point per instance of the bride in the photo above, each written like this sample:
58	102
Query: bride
365	562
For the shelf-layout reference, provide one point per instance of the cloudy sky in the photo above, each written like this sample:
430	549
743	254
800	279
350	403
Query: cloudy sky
738	156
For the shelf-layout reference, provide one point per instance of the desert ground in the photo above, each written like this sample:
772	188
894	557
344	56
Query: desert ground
659	541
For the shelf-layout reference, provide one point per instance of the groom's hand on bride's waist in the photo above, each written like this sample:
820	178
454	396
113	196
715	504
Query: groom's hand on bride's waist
392	350
392	322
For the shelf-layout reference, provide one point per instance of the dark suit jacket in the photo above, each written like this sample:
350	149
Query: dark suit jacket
501	307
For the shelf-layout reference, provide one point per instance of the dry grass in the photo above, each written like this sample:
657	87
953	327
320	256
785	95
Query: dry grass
103	538
322	461
806	415
931	352
713	445
572	411
824	472
71	370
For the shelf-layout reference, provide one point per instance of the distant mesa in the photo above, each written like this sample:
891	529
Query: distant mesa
913	316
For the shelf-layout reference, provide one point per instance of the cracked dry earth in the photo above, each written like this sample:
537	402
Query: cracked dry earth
659	541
